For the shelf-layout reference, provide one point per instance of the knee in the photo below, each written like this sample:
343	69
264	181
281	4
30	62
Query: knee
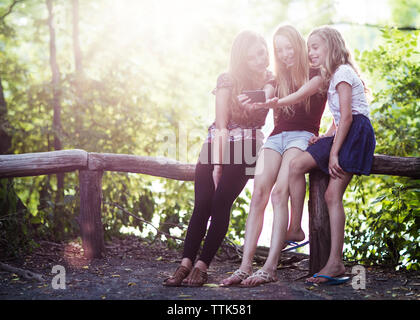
331	197
221	200
296	167
280	195
260	194
220	210
220	219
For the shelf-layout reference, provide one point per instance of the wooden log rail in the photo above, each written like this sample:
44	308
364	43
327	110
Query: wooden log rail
92	165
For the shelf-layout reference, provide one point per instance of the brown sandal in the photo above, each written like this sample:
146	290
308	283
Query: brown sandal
176	279
196	278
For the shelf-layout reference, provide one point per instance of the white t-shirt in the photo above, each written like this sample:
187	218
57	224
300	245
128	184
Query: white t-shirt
359	104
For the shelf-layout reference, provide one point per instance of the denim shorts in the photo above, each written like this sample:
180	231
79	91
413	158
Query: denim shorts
288	139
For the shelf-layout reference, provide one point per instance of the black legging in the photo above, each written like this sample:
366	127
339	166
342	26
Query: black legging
215	204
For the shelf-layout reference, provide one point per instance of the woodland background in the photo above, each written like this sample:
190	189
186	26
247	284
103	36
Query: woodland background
127	76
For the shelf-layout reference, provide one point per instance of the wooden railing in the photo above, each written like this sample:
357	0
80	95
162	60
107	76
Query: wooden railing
92	165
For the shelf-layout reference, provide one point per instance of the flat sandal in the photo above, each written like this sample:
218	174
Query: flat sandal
199	277
176	279
241	275
263	276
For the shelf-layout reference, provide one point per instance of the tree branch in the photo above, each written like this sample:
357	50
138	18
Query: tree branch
29	275
376	26
143	221
10	9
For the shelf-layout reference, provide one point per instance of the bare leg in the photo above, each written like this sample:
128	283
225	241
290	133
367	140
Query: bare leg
300	165
295	232
279	199
268	165
186	262
334	199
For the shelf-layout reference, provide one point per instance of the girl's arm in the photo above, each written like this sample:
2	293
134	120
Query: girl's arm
221	137
329	133
250	107
222	109
307	90
269	91
346	118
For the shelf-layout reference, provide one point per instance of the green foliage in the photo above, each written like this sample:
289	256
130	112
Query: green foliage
406	13
383	211
142	79
16	224
384	230
239	214
394	69
174	209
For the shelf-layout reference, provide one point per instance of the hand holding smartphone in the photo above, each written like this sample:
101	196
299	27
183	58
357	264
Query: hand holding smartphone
255	96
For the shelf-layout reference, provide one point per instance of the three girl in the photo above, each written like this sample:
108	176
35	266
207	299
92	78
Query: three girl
346	149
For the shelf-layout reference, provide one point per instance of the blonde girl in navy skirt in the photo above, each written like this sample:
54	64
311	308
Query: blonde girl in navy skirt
348	146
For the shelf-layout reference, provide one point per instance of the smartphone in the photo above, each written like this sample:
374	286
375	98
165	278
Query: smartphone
256	95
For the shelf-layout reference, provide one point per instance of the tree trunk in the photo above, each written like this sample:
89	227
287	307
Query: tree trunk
78	79
76	42
55	79
58	229
5	139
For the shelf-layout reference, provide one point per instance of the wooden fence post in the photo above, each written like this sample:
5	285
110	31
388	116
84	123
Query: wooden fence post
319	221
90	222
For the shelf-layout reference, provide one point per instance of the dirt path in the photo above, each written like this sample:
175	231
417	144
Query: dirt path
134	270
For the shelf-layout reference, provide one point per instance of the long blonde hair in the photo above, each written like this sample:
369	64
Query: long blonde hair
242	78
337	54
292	78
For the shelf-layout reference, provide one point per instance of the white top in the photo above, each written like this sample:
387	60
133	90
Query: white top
359	104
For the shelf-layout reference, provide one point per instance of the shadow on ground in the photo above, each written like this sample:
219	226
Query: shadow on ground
134	270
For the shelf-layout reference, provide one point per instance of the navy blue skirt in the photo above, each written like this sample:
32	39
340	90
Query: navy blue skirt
356	153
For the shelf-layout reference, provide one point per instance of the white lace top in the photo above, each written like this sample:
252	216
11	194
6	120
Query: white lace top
359	103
